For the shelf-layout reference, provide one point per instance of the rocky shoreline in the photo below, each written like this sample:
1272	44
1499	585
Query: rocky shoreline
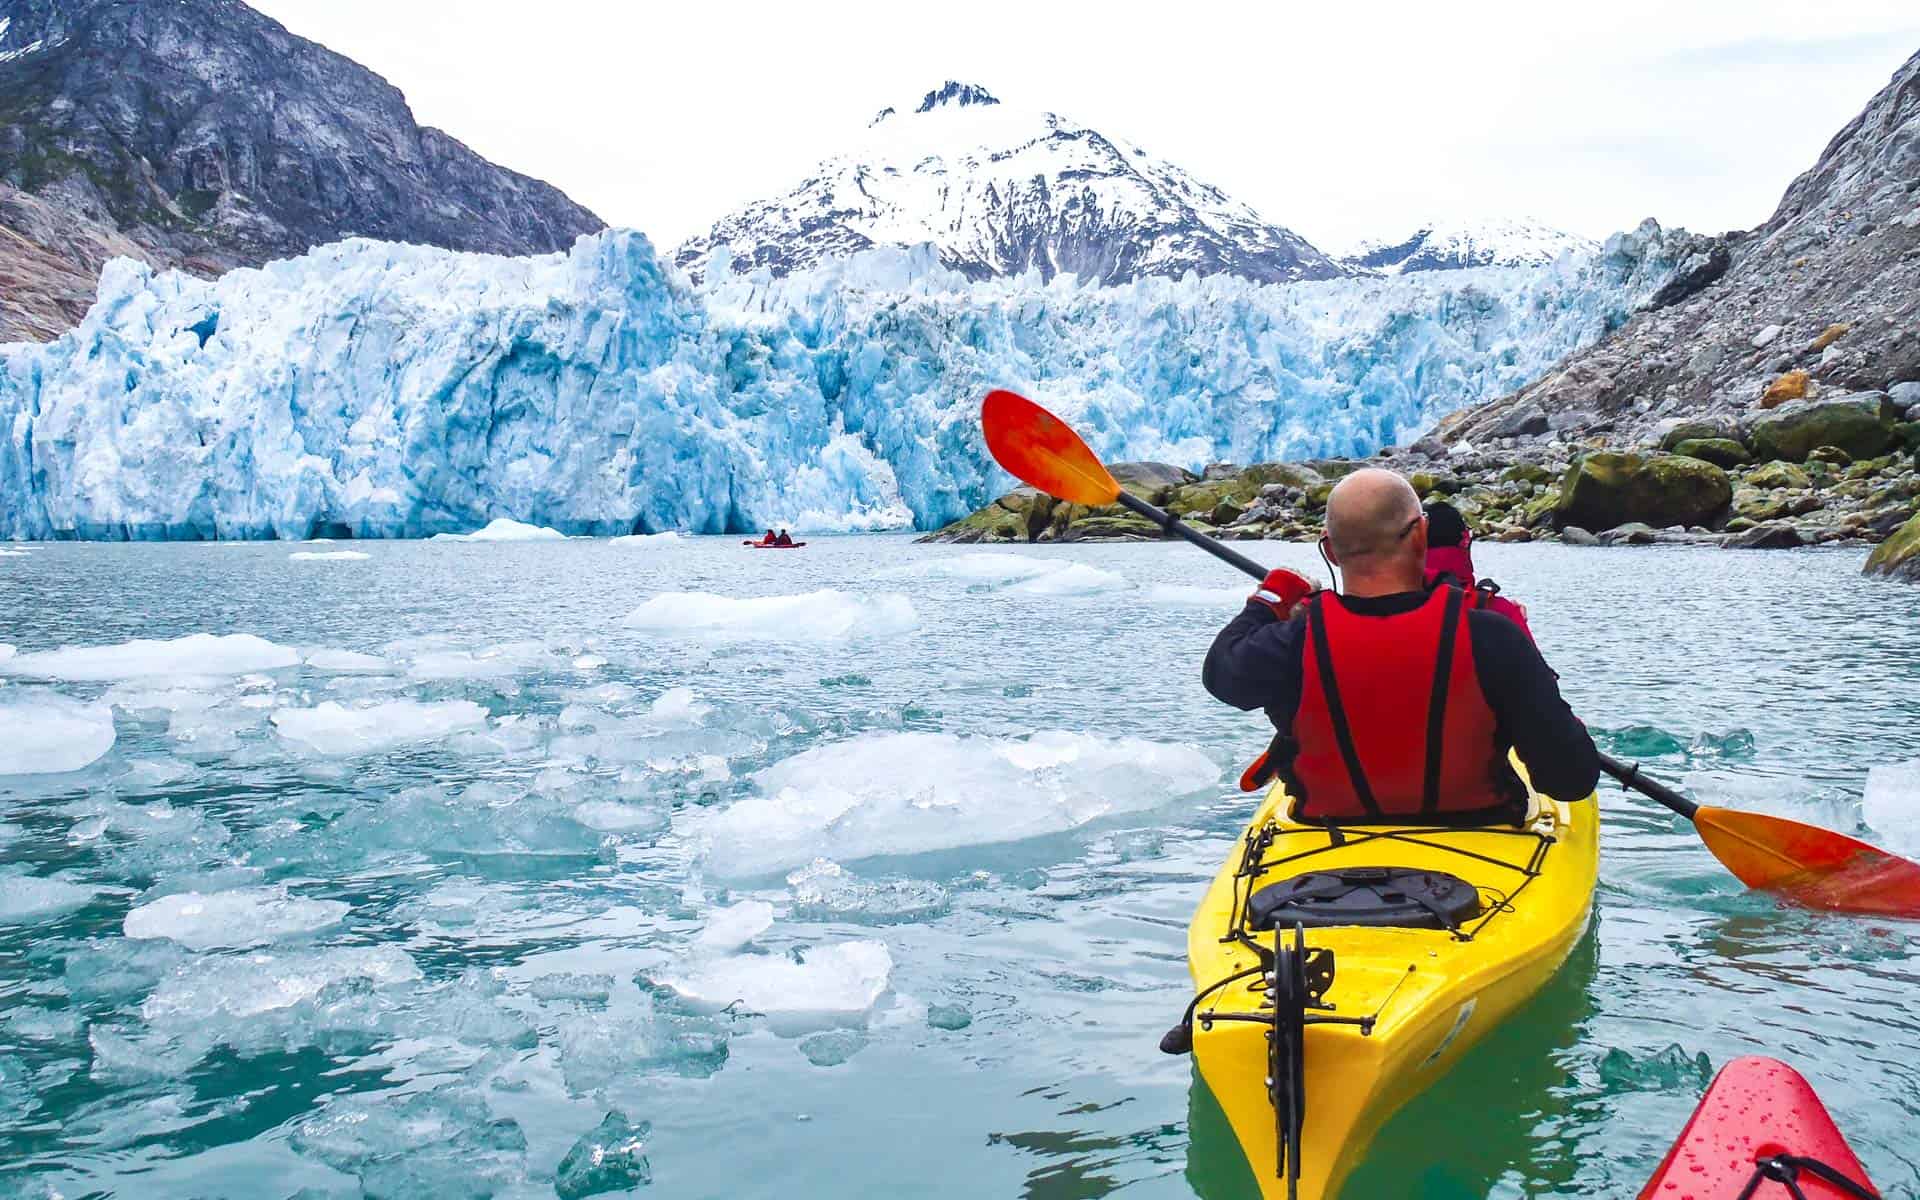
1837	470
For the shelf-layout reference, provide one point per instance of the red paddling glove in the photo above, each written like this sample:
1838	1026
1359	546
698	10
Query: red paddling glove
1281	591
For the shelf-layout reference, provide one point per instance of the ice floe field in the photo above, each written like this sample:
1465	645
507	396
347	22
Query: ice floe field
533	867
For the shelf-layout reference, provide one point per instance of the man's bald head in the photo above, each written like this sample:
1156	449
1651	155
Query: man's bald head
1368	515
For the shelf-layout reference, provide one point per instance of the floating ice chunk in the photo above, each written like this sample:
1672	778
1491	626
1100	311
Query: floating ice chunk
569	986
610	1157
249	985
332	728
728	929
647	541
597	1049
239	918
42	733
833	1047
1177	595
347	662
589	662
503	529
677	706
1892	803
7	651
45	1024
824	615
611	816
27	899
948	1016
908	793
1076	579
825	891
328	556
445	1142
491	662
832	985
196	654
977	567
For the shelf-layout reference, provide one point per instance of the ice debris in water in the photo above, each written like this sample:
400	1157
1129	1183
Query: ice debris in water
234	919
948	1016
1179	595
729	929
1735	743
42	733
504	529
333	728
908	793
328	556
987	567
1892	802
828	985
825	891
833	1047
437	662
571	986
647	541
444	1142
610	1157
1078	579
825	615
234	989
1669	1069
678	706
196	654
1641	741
600	1049
27	899
346	662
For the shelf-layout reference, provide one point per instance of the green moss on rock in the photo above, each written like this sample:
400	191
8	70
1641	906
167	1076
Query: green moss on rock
1860	425
1721	452
1605	489
1899	556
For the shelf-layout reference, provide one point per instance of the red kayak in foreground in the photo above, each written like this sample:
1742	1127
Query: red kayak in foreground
1760	1133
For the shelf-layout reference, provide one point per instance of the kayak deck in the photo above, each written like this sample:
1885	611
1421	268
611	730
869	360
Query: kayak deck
1402	1004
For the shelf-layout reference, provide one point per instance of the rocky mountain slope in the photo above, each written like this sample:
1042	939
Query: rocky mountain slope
201	134
999	191
1458	245
1821	301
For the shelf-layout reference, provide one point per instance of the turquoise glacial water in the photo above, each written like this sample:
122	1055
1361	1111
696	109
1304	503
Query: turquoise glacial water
264	947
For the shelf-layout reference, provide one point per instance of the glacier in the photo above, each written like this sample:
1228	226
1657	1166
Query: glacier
372	389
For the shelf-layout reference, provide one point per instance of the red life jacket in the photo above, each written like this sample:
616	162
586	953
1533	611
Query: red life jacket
1392	722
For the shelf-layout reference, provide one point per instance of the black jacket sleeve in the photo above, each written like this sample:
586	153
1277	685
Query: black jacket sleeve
1525	697
1255	662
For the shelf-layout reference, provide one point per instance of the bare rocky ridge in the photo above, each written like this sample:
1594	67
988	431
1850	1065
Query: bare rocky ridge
201	134
1812	320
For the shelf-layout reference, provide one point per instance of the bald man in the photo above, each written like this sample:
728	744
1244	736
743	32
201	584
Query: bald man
1394	701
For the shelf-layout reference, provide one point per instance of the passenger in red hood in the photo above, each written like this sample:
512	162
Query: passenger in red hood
1450	558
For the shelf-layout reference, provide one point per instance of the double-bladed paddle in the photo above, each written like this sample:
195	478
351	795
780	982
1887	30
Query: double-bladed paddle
1809	865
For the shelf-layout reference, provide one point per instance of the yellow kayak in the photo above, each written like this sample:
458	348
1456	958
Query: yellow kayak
1398	948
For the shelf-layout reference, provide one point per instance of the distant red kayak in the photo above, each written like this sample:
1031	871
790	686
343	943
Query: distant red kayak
1760	1133
771	546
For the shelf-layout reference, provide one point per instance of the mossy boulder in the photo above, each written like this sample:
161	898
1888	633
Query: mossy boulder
1899	556
1018	516
1779	475
1608	488
1833	456
1107	525
1721	452
1908	433
1861	425
1697	429
1526	473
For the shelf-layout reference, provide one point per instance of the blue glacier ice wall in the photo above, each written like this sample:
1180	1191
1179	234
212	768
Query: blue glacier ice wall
382	390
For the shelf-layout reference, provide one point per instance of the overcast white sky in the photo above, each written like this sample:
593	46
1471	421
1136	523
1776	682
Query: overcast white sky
1337	120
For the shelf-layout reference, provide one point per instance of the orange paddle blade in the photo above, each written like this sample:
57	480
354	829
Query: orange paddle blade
1811	866
1038	449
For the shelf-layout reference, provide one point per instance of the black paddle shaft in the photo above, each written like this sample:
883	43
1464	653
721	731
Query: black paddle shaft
1631	777
1178	528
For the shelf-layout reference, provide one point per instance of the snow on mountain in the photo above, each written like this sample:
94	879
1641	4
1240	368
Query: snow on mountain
1456	245
998	191
378	390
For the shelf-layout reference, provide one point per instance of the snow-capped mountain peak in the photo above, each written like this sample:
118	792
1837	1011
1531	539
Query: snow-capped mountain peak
1000	190
1447	245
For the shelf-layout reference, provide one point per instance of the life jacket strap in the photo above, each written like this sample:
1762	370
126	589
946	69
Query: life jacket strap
1437	701
1337	711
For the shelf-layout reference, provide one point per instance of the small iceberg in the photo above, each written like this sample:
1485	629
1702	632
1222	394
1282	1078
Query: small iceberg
826	615
142	658
332	728
504	529
48	734
328	556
